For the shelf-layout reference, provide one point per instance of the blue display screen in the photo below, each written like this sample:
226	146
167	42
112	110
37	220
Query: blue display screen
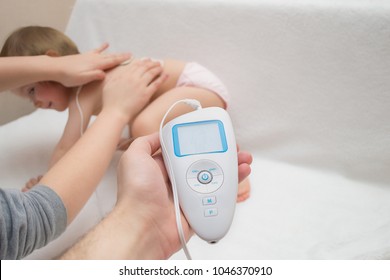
199	138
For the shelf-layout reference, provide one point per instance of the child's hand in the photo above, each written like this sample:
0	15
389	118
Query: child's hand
31	183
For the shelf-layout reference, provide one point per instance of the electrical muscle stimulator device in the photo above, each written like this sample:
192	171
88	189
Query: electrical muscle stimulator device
200	154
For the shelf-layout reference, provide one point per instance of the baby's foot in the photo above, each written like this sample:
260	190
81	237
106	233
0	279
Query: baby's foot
244	190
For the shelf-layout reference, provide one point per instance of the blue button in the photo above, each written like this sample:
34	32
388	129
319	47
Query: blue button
209	200
204	177
211	212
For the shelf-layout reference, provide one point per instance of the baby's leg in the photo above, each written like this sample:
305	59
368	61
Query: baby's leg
148	121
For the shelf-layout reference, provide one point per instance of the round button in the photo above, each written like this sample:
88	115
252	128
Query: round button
205	177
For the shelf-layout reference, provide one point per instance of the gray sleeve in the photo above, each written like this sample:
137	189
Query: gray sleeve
29	220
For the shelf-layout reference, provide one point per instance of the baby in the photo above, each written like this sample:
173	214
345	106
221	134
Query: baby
182	80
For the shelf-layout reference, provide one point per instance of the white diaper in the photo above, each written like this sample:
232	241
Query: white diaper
195	75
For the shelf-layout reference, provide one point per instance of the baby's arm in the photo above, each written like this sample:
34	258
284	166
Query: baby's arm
75	125
71	133
69	137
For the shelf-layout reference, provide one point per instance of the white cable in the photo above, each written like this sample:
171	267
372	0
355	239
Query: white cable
196	105
81	134
80	112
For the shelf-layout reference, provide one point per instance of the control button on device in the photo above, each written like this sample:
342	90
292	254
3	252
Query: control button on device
209	200
205	177
204	165
211	212
194	183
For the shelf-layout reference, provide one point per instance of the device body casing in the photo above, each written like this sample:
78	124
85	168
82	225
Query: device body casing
208	206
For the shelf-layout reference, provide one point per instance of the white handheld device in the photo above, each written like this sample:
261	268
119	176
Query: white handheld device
200	154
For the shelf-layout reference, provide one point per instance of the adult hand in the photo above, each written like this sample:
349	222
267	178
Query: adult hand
128	88
80	69
142	224
145	196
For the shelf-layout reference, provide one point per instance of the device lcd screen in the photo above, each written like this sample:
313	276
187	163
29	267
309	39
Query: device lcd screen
199	138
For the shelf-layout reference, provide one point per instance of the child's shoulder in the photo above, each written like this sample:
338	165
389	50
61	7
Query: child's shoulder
87	98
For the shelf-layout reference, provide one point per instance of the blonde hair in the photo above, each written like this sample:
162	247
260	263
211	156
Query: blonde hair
38	40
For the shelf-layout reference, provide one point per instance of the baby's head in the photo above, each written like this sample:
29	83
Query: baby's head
38	40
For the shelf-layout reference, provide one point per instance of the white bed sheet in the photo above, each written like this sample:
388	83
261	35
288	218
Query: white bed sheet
293	213
309	86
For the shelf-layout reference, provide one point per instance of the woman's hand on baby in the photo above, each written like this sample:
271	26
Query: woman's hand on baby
80	69
31	183
128	88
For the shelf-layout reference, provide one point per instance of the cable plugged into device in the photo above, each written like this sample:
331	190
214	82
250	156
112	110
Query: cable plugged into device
199	151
